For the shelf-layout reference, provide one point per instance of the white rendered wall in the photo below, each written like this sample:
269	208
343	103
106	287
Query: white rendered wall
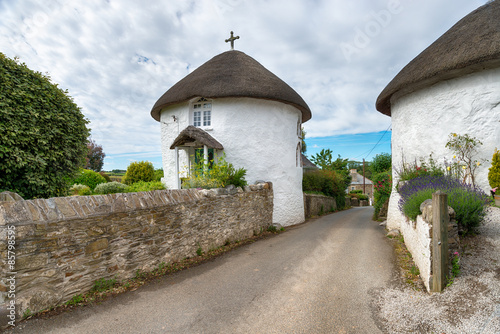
422	121
258	135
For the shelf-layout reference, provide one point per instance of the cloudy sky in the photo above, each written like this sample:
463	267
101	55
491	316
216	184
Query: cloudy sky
117	57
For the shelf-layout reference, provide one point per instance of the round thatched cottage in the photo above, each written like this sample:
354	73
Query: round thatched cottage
453	86
233	105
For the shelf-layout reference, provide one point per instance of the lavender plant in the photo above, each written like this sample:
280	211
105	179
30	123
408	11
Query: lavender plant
468	201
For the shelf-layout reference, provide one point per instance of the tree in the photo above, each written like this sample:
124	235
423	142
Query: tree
381	162
325	161
95	156
43	133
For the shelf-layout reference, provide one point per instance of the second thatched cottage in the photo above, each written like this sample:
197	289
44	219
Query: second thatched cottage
453	86
233	105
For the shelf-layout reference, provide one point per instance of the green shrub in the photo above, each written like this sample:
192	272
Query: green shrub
158	174
327	182
43	133
408	171
89	178
494	171
139	171
356	192
382	188
80	189
111	188
106	176
468	201
220	175
145	186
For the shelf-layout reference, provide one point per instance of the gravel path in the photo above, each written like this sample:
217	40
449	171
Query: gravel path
470	305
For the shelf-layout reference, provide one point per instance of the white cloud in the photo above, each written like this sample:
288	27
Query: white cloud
117	58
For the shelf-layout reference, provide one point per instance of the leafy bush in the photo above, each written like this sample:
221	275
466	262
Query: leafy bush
494	171
327	182
111	188
89	178
158	174
382	188
145	186
408	171
139	171
80	189
356	192
468	201
381	163
221	174
106	176
95	156
43	133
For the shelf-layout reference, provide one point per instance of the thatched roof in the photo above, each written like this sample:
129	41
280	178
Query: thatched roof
231	74
471	45
196	137
307	164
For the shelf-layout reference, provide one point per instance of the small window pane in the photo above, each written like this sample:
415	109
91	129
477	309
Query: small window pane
197	118
207	105
207	118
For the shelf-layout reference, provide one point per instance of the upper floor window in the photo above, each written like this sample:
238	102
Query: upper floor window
202	113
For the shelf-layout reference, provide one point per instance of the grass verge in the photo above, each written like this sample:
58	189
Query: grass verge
410	273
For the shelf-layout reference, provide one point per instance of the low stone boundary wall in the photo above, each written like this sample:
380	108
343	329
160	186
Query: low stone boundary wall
63	245
418	239
316	205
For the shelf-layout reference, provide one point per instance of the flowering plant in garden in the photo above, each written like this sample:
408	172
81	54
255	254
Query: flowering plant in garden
468	201
408	171
463	165
382	188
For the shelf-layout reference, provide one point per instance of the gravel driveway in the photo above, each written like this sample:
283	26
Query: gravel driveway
470	305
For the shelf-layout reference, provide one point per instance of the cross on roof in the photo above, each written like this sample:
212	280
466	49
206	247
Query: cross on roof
231	39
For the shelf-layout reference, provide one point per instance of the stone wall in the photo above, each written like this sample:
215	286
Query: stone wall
418	239
63	245
316	205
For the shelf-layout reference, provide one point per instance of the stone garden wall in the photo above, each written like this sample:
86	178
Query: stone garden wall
418	239
63	245
316	205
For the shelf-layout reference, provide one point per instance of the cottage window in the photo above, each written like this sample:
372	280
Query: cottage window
202	113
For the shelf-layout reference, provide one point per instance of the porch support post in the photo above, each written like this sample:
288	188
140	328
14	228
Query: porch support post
205	156
177	175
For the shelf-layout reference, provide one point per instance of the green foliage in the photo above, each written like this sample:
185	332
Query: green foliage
145	186
89	178
324	160
381	163
111	188
408	171
105	176
199	251
27	313
158	174
382	188
494	171
102	285
327	182
220	175
303	146
465	148
75	300
356	192
43	133
80	189
139	171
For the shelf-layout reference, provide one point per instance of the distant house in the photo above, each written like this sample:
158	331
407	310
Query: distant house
307	165
358	183
232	105
453	86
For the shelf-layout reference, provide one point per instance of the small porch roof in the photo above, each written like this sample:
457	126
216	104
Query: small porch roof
195	137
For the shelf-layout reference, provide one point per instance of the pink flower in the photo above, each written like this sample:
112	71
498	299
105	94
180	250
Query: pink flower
456	254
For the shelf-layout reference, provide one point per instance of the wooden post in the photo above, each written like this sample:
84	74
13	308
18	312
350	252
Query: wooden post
440	220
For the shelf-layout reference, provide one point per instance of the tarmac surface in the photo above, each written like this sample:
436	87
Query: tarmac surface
317	277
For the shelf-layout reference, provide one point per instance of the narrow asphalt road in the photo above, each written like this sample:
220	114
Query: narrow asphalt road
314	278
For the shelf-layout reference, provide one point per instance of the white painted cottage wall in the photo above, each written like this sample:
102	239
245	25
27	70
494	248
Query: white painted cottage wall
422	121
259	135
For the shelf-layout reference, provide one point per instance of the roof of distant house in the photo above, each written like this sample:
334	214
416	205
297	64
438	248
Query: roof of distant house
231	74
472	44
358	178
